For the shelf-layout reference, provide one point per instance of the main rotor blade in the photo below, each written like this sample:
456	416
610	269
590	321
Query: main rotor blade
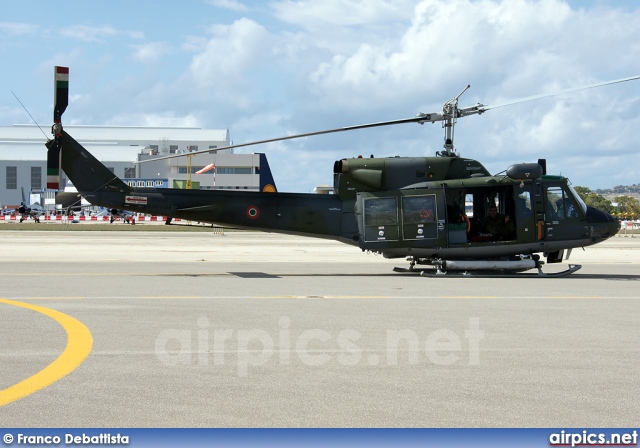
574	89
416	119
420	118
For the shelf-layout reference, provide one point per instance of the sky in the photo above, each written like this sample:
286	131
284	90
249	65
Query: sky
267	69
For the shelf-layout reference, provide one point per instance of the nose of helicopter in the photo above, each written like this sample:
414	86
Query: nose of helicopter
603	225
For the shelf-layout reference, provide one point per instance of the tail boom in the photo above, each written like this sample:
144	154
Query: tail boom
292	213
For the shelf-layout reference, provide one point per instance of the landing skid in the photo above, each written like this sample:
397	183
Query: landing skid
437	272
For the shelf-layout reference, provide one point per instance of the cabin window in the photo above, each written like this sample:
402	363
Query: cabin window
419	217
381	219
419	209
468	205
380	212
523	204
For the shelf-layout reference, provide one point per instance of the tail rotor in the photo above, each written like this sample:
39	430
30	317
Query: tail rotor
61	100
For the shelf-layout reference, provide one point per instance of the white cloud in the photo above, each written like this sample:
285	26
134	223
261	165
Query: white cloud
92	33
167	119
451	41
151	51
314	14
232	5
232	51
17	29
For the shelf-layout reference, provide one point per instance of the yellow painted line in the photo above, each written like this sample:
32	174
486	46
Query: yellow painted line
170	297
54	298
470	297
573	297
321	297
521	297
79	345
69	274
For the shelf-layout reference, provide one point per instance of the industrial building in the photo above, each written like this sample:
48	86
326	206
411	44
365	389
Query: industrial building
23	159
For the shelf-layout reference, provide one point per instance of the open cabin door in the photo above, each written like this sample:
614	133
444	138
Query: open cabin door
514	220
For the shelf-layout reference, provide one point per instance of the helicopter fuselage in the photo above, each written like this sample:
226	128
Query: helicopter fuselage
426	207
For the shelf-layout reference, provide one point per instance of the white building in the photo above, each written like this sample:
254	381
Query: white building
23	157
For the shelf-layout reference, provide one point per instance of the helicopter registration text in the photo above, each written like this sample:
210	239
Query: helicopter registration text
140	200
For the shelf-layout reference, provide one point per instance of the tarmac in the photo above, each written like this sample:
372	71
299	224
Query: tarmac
243	329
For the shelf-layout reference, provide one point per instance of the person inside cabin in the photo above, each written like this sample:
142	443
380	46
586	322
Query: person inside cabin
565	209
500	227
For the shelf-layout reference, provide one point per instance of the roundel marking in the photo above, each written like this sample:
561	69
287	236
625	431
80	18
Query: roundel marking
252	212
425	213
269	188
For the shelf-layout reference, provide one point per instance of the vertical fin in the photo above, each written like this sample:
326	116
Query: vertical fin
267	184
60	100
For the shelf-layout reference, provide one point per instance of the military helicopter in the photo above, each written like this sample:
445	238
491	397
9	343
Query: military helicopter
427	209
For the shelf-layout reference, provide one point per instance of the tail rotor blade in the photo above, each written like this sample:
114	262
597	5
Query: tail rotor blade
61	93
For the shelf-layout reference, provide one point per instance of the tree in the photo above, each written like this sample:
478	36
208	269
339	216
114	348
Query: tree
595	200
628	206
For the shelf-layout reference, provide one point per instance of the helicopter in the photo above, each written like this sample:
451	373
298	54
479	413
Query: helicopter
429	210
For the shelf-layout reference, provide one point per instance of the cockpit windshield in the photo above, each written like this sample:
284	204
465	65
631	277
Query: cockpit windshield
578	199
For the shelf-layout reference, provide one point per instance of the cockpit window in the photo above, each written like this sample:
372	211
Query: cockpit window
560	204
